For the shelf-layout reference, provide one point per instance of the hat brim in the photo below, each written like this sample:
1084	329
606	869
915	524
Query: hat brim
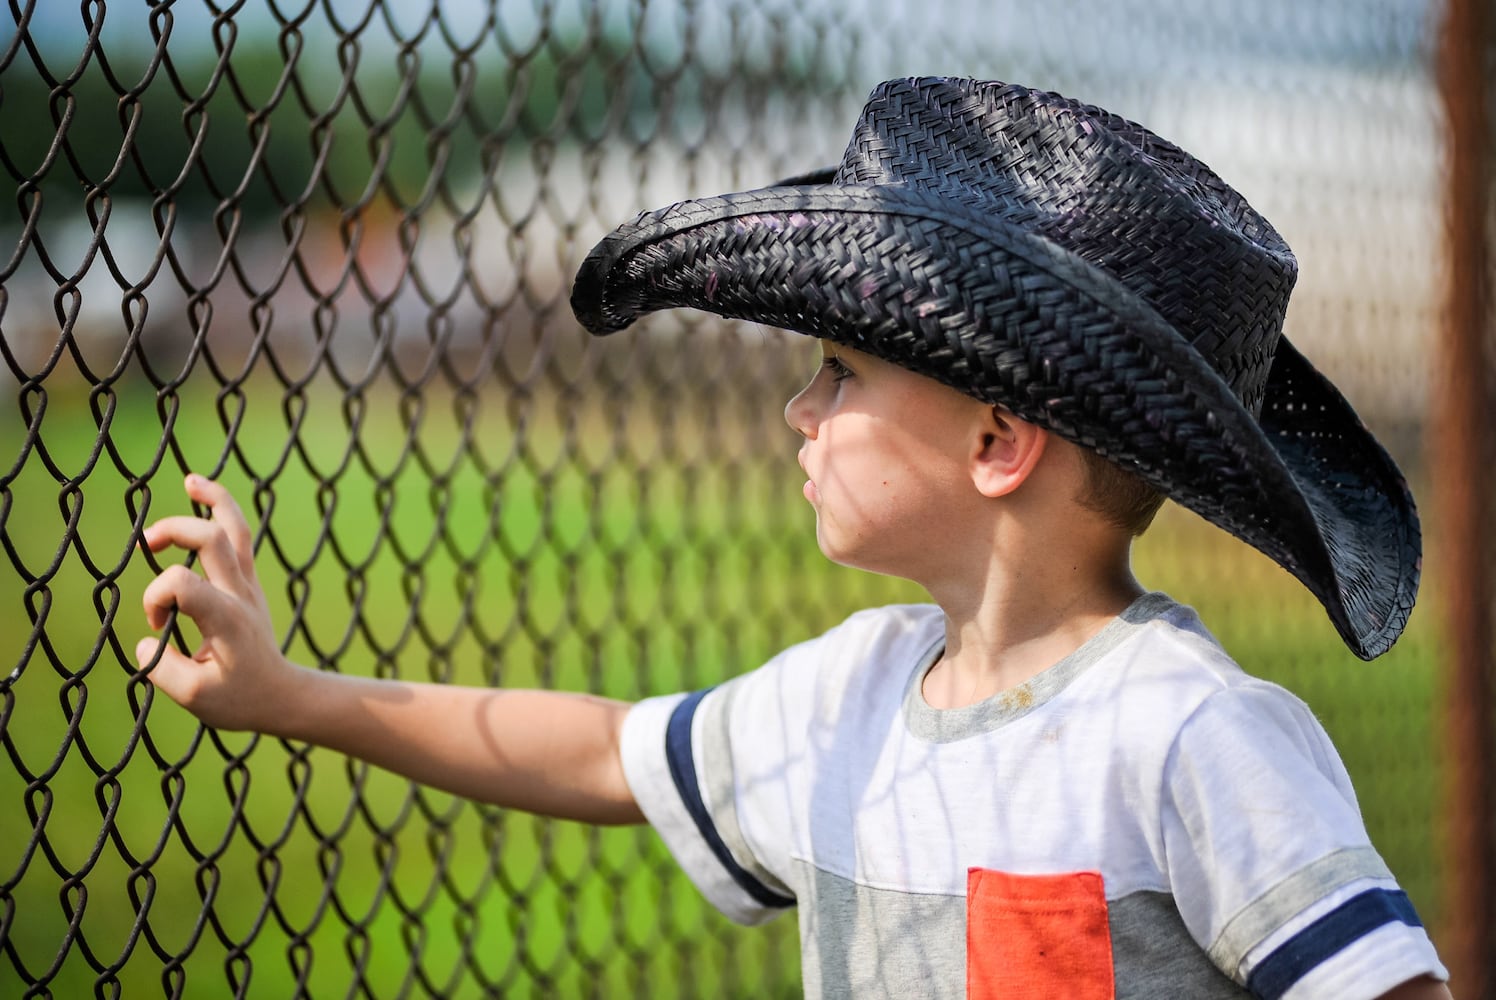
958	293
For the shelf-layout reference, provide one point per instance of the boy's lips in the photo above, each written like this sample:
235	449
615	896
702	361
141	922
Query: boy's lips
809	489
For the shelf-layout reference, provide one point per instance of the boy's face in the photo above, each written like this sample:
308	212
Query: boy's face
887	456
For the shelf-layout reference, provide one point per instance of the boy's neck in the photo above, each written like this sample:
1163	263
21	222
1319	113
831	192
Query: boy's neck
1019	622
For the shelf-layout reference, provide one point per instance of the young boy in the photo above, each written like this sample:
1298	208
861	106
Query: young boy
1037	321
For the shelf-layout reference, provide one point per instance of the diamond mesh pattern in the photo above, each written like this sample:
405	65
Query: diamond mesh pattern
321	250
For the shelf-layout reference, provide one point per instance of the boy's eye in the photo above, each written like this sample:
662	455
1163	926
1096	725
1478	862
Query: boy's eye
834	365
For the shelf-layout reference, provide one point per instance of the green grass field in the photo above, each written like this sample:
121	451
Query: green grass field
530	550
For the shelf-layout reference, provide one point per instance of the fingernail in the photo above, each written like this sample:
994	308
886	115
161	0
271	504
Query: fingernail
193	479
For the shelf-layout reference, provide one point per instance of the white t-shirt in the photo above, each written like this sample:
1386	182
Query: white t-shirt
1143	817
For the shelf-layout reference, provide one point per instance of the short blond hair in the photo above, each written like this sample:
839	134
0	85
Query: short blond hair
1120	496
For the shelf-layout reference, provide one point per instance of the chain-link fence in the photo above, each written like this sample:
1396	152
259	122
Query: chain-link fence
322	251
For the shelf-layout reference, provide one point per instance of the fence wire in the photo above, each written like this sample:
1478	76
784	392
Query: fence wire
322	251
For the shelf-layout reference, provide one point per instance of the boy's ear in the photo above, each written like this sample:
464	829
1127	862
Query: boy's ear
1005	452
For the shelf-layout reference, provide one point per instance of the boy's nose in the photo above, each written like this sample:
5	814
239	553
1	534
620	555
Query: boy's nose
797	413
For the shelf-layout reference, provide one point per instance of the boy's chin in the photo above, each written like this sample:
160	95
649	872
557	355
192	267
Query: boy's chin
834	552
853	557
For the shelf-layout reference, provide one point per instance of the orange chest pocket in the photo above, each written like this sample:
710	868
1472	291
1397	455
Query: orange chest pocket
1037	936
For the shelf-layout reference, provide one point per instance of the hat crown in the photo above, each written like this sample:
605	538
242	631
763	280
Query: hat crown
1106	189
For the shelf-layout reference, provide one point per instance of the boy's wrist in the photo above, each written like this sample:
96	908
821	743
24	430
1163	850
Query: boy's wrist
292	701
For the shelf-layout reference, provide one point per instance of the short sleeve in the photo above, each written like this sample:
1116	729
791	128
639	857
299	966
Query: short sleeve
1269	860
667	749
729	776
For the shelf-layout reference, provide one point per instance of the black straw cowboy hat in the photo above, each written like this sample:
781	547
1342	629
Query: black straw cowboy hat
1033	251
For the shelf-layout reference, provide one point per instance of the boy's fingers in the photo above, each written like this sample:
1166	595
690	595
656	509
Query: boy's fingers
195	597
208	539
228	516
173	673
145	651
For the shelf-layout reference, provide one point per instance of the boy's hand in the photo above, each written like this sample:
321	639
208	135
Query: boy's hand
549	752
238	678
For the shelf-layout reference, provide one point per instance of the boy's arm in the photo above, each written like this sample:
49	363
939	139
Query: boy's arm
547	752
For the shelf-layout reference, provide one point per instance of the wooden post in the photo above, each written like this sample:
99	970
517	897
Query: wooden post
1461	429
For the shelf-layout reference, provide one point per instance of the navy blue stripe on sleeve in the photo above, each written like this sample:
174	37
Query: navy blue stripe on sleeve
1351	920
683	772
